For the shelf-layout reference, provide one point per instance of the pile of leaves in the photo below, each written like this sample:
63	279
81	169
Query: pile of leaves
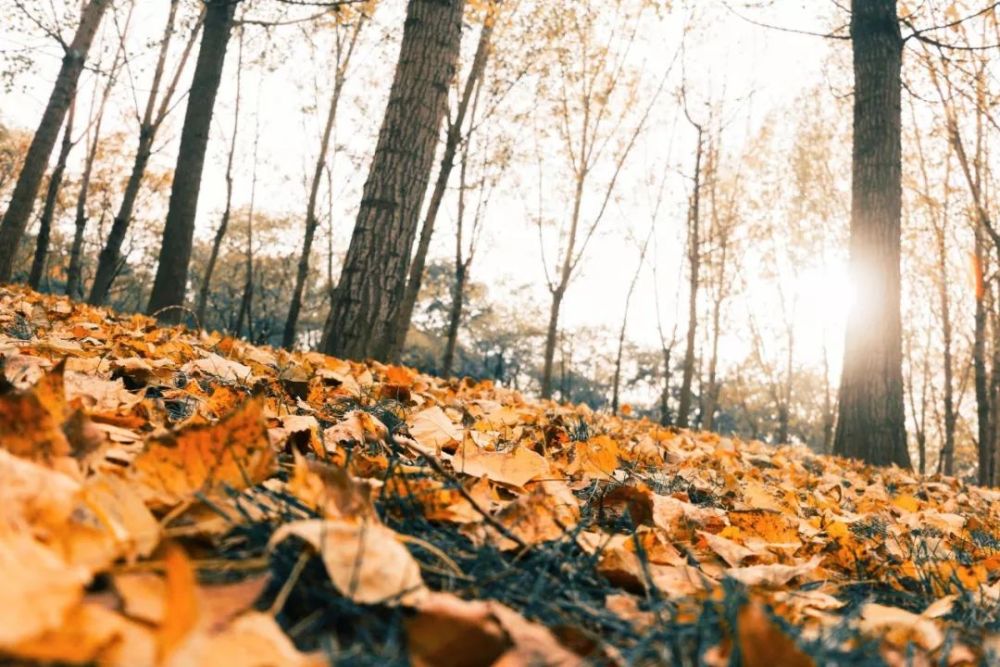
175	497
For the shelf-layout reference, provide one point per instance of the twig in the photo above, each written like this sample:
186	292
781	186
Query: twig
439	469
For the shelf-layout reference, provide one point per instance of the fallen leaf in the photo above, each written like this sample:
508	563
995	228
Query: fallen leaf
205	459
365	561
514	468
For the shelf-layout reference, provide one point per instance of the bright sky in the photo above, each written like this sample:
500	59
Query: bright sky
774	66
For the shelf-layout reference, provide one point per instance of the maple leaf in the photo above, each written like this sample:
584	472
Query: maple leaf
205	459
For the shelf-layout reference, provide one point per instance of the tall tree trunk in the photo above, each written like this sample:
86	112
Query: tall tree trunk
979	365
109	260
246	301
365	308
74	273
220	232
947	461
452	140
312	220
170	284
694	264
51	199
872	424
22	200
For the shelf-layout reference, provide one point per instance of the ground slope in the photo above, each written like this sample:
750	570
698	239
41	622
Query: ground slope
171	497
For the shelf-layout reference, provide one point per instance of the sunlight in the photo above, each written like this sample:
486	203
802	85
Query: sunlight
825	295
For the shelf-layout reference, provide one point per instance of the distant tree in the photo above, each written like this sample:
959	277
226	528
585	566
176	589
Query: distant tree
345	41
51	200
22	201
155	112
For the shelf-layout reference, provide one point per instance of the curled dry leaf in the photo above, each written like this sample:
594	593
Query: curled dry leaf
364	559
433	430
732	552
330	490
899	627
356	428
449	632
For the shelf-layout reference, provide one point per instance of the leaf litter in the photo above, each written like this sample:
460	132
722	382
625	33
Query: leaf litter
173	497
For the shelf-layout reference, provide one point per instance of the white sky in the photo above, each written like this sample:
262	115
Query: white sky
775	66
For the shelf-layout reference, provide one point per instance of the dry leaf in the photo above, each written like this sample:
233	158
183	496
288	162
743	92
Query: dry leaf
514	468
205	458
365	561
433	430
763	644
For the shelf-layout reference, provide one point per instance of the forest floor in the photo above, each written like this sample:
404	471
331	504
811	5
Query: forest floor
172	497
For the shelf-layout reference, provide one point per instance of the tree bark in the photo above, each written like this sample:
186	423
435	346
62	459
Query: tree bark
312	220
452	141
109	260
551	335
220	232
694	263
22	200
366	305
51	199
170	284
872	423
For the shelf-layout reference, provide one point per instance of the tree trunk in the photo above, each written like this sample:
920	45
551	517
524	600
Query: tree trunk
453	139
454	319
220	232
947	461
979	364
109	261
312	220
22	200
616	381
51	199
872	424
365	309
170	284
551	335
694	262
74	274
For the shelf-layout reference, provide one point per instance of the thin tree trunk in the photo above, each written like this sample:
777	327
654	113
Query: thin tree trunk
246	302
784	410
872	424
109	261
452	141
454	319
51	199
829	414
694	263
616	381
979	364
220	232
170	284
22	200
551	336
74	281
312	220
365	308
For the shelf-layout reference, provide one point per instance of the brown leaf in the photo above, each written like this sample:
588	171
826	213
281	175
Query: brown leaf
365	560
763	644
